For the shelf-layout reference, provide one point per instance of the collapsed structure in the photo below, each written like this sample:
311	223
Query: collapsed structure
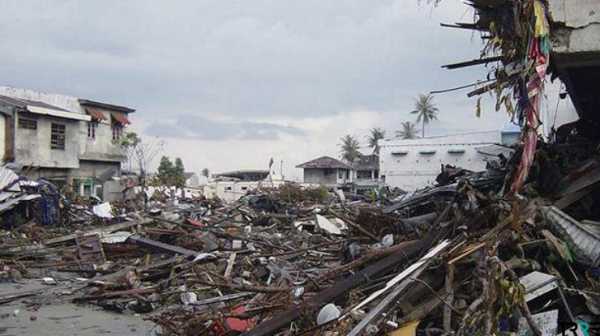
509	250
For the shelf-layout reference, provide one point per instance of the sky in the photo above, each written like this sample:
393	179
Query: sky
229	85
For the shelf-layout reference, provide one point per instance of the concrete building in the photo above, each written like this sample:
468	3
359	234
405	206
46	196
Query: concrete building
67	140
230	186
327	171
244	175
575	58
414	163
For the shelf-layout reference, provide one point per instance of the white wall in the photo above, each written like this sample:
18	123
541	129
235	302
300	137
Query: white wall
579	22
230	191
32	147
406	164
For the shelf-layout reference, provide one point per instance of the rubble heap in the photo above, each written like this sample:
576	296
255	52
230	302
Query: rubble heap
465	257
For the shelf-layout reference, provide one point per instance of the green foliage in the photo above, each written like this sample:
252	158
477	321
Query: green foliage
425	110
178	173
130	140
171	174
349	148
376	135
293	193
408	131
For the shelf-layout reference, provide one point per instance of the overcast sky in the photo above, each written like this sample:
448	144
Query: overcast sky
230	84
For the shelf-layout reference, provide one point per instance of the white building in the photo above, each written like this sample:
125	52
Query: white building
414	163
230	186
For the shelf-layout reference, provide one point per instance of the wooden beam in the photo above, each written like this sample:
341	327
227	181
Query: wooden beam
99	231
473	62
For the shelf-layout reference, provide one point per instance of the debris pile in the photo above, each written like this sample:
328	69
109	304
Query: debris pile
465	257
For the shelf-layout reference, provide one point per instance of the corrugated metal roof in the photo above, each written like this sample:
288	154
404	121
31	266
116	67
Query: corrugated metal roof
8	178
9	204
584	242
23	103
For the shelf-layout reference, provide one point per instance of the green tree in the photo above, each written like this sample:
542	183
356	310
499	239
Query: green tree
376	135
179	173
425	110
165	171
349	148
205	172
408	131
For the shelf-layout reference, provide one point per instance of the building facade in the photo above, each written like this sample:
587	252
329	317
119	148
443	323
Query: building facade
410	164
72	142
327	171
230	186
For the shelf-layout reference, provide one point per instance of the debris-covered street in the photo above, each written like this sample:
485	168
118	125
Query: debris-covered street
481	233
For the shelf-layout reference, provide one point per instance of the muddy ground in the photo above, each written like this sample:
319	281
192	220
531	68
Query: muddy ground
49	314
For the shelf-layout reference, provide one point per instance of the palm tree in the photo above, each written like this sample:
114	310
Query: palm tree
376	135
425	110
349	148
408	131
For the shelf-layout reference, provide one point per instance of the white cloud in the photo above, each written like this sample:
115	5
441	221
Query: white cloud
293	76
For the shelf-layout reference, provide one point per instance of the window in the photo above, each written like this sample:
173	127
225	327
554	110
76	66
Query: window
456	151
57	136
341	174
117	131
92	125
27	123
399	153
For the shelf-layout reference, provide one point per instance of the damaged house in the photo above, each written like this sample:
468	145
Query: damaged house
69	141
230	186
326	171
362	174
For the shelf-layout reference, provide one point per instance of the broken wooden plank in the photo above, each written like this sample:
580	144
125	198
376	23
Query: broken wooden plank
473	62
99	231
222	298
282	319
230	264
115	294
6	298
162	246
